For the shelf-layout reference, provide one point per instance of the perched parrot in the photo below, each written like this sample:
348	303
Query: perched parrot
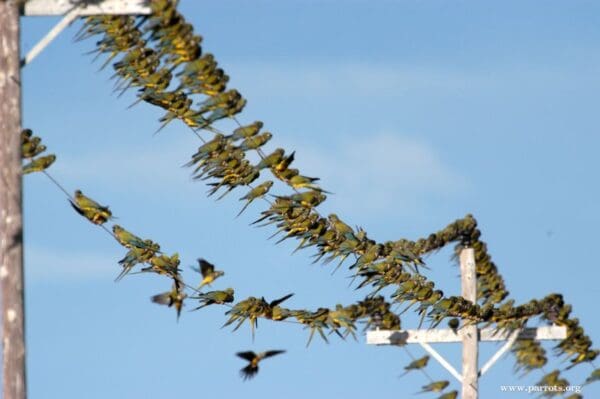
128	239
257	192
453	324
449	395
253	143
215	297
416	365
31	147
246	131
271	160
136	256
90	209
595	376
39	164
436	386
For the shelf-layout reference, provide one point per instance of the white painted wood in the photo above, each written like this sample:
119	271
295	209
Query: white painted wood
470	333
498	355
72	9
61	7
445	335
543	333
391	337
50	36
442	361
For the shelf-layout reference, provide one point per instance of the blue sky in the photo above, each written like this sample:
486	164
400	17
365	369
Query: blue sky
412	113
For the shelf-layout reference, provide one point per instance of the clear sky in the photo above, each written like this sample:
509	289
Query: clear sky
413	113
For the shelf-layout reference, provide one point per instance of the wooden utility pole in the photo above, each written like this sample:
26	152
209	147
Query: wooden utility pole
11	217
470	340
468	335
11	221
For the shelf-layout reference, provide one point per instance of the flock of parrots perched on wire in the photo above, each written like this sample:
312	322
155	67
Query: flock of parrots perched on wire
150	53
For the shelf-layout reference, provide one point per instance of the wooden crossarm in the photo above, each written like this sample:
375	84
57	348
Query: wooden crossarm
391	337
106	7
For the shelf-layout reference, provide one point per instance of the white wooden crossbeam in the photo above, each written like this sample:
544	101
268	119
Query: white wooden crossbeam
89	7
72	9
401	337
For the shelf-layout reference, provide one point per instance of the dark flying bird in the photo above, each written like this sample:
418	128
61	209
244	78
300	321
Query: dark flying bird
251	369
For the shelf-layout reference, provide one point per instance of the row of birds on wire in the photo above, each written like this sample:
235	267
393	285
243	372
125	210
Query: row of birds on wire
162	48
145	251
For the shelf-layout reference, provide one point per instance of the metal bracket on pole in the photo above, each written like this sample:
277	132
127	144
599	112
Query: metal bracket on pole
71	9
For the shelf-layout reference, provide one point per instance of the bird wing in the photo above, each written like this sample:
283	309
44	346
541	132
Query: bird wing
77	208
280	300
249	355
86	202
162	299
205	267
271	353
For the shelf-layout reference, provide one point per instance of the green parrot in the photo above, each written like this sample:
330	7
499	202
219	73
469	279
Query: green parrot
128	239
207	148
595	376
436	386
279	313
299	182
268	308
223	112
39	164
90	209
585	356
26	135
175	298
308	198
219	100
454	323
135	256
550	378
257	192
272	159
249	309
215	297
284	164
253	143
449	395
416	365
31	147
165	265
287	175
338	226
251	369
208	272
244	132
